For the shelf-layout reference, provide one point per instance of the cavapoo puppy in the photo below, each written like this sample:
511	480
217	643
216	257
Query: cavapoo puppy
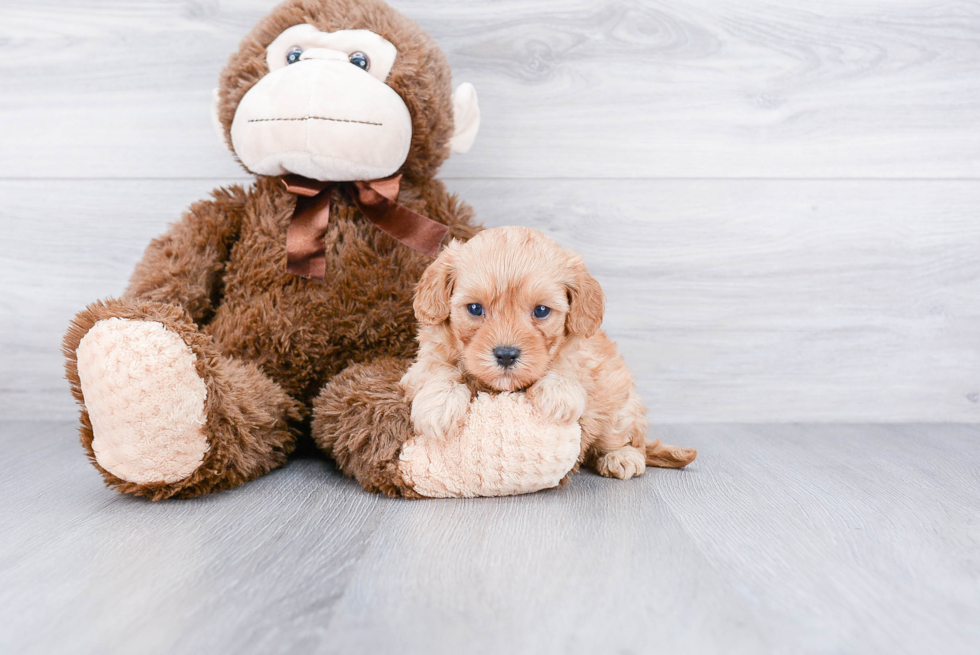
510	310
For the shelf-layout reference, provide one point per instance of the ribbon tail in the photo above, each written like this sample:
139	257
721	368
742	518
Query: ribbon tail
410	228
305	253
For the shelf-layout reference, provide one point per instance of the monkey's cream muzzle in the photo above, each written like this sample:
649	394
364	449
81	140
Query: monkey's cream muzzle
323	117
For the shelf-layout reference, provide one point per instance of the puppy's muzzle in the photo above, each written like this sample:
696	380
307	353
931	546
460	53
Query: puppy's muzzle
506	355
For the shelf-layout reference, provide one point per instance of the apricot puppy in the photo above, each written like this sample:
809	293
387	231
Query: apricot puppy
510	310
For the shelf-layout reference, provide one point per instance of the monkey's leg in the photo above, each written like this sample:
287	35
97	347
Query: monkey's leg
163	412
361	419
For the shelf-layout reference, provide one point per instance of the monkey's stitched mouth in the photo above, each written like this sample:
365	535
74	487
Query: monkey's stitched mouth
314	118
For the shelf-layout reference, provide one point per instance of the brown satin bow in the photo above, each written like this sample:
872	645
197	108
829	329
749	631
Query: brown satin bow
377	200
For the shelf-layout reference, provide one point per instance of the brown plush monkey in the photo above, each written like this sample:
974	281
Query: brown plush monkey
201	375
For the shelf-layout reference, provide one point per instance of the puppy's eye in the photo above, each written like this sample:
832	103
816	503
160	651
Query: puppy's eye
360	60
294	54
475	309
542	312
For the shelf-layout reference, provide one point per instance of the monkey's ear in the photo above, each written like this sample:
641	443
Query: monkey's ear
466	119
586	302
216	120
435	289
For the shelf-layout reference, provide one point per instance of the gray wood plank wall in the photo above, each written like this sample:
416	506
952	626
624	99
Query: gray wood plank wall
781	200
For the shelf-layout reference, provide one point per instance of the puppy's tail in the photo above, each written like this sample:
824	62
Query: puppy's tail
670	457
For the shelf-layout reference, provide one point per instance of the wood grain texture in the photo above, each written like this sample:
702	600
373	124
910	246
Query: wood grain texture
778	539
569	88
731	300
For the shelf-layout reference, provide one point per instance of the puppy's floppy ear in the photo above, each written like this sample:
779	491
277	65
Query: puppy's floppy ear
436	287
586	302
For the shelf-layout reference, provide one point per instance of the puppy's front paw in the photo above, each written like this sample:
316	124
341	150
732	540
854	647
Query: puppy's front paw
624	463
437	412
559	399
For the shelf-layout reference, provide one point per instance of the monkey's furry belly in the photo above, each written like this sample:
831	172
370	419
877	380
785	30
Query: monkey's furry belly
302	333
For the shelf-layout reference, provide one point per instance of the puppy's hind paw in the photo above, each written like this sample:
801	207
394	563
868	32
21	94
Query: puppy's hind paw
624	463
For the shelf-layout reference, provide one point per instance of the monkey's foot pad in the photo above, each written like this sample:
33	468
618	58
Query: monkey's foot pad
145	400
503	448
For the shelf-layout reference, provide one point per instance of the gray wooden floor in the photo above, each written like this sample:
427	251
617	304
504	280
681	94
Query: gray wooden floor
779	539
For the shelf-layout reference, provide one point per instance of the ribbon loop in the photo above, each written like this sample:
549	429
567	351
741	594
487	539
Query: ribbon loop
388	187
304	186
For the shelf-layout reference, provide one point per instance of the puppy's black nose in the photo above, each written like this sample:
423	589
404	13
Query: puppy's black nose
506	355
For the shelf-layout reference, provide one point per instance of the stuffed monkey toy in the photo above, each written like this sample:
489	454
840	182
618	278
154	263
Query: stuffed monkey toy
202	375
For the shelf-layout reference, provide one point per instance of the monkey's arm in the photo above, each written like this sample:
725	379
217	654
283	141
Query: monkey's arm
185	266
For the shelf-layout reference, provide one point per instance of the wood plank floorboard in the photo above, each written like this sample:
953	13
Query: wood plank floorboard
779	539
568	88
732	301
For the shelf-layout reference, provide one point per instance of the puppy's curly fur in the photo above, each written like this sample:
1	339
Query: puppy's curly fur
511	310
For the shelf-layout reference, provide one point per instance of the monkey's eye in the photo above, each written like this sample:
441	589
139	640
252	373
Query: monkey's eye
360	60
475	309
294	54
542	312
